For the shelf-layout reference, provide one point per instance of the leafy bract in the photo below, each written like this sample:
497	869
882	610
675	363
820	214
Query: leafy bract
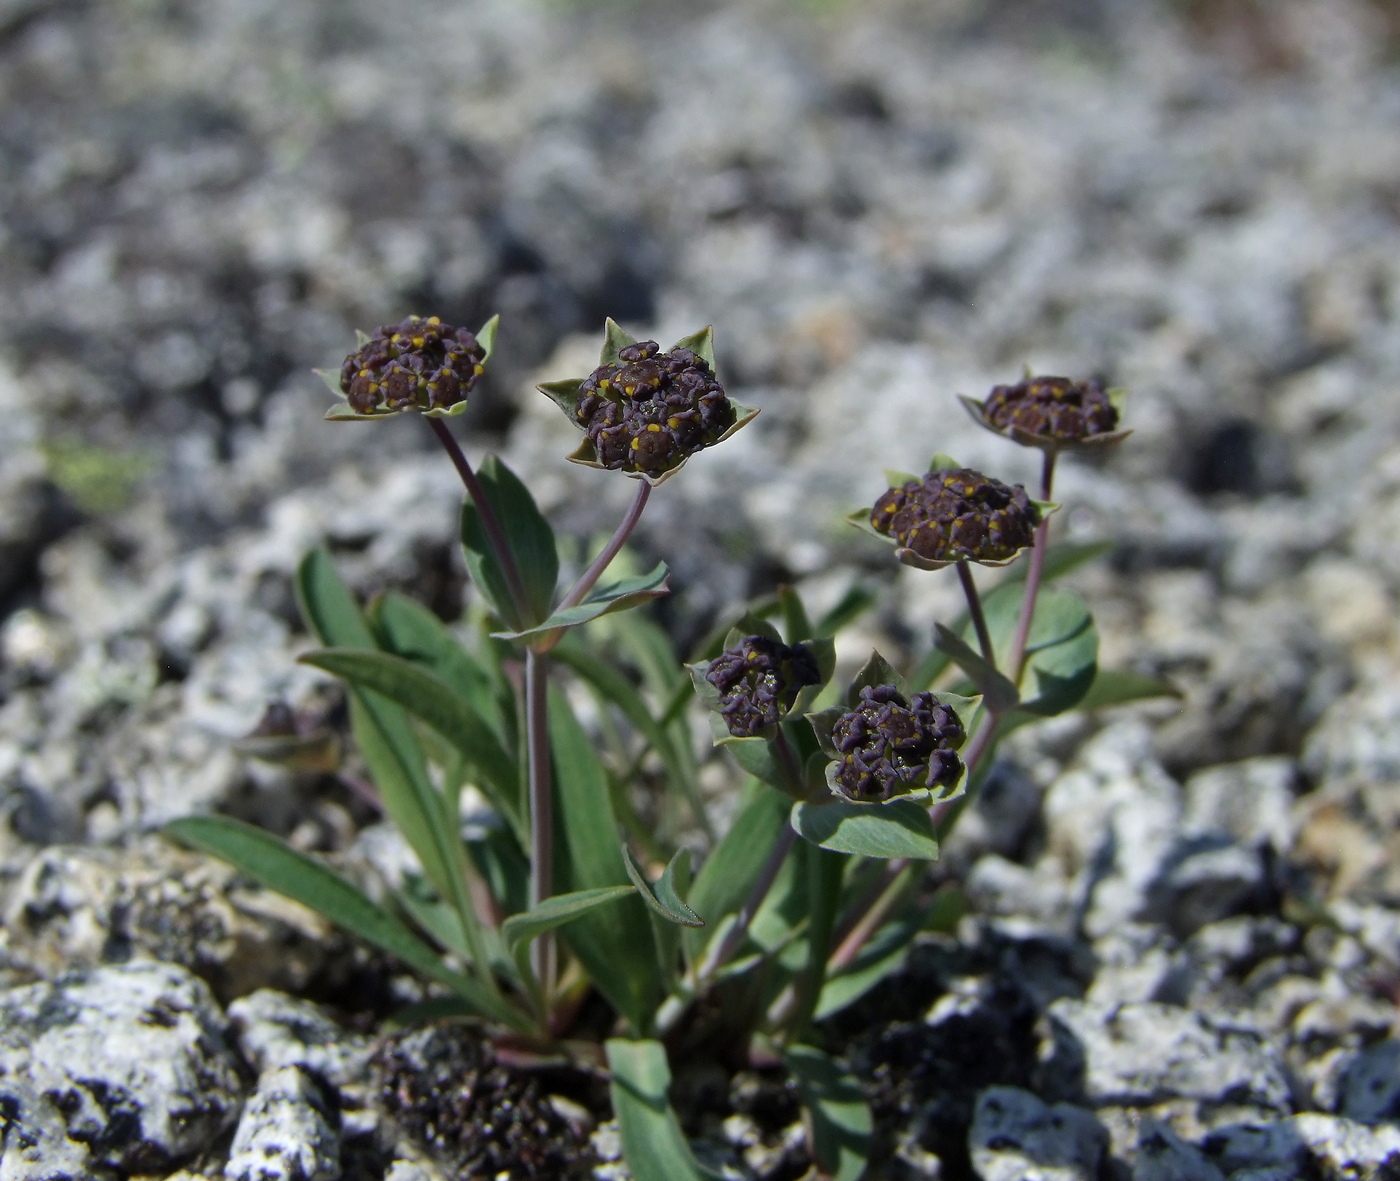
519	930
900	828
604	599
661	895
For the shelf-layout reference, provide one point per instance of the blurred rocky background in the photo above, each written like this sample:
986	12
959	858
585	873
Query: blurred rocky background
878	205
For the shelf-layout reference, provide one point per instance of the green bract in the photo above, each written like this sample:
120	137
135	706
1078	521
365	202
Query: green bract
646	412
569	713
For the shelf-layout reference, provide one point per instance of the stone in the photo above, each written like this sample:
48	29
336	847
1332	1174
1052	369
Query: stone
1139	962
1111	821
1371	1090
1310	1144
1162	1155
1017	1137
286	1132
1144	1053
275	1030
76	906
1250	801
122	1067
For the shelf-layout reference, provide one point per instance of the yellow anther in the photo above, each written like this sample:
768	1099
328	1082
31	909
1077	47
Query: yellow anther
478	370
629	390
673	423
434	321
636	443
418	342
395	337
654	426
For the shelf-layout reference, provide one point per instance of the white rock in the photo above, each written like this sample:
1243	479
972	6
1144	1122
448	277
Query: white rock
286	1132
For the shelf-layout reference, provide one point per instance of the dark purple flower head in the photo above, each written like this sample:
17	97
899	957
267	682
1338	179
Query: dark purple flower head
1052	413
416	364
889	746
759	681
651	410
957	513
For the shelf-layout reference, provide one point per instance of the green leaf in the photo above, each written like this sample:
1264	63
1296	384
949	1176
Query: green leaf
661	895
732	866
602	600
528	535
327	606
652	1141
851	606
1061	650
757	756
900	828
1115	687
520	930
427	696
998	691
840	1118
941	462
615	946
614	341
613	687
274	864
408	629
880	958
796	625
701	343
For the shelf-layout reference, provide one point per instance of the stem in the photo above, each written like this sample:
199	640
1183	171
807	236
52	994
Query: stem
1033	575
589	577
734	937
895	882
489	522
619	538
974	607
541	806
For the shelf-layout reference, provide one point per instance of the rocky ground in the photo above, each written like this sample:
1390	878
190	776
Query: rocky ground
1183	954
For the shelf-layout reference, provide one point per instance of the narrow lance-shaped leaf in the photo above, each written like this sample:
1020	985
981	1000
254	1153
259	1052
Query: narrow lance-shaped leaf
661	895
266	859
619	595
428	697
998	691
519	930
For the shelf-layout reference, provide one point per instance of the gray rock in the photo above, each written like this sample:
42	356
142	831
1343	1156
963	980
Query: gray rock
286	1132
1111	822
118	1067
1203	879
275	1030
78	906
1162	1155
1138	962
1250	801
1310	1144
1138	1054
1017	1137
1371	1091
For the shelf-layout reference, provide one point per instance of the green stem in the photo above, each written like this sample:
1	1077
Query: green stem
1033	576
974	608
489	522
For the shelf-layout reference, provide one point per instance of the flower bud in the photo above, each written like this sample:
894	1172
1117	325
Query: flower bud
954	514
1052	413
759	681
889	746
651	410
416	364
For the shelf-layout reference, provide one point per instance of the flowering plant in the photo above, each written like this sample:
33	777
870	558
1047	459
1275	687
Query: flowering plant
813	895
